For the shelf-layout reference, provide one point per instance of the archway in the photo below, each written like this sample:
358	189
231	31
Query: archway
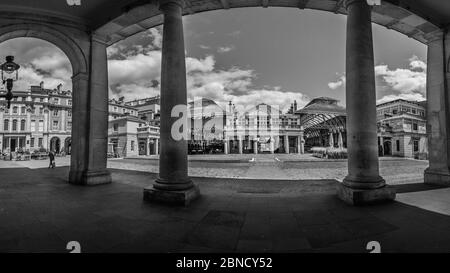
47	33
55	145
387	147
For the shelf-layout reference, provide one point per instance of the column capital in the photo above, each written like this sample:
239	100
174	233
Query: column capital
434	36
163	3
99	38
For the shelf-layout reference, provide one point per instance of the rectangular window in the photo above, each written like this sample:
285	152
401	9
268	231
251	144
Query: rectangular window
41	99
116	127
397	144
69	102
416	145
132	145
32	142
56	100
41	126
55	113
41	110
69	113
69	125
415	126
22	110
55	125
33	126
40	142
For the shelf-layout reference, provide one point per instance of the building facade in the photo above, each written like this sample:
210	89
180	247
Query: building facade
38	119
133	129
402	129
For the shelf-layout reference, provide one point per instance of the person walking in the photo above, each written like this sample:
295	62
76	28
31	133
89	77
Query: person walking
51	156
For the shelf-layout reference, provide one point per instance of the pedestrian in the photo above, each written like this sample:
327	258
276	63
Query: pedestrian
51	156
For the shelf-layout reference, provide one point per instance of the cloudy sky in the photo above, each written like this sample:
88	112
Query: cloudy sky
251	55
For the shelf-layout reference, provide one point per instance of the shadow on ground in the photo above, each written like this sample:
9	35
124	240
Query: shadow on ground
40	212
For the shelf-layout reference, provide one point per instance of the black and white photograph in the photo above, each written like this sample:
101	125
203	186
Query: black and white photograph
238	129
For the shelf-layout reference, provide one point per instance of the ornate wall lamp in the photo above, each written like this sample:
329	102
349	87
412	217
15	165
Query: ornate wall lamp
7	69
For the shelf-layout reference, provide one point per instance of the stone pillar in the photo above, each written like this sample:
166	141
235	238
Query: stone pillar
90	120
286	144
301	149
340	140
438	109
173	185
225	146
156	146
147	148
241	143
363	183
255	146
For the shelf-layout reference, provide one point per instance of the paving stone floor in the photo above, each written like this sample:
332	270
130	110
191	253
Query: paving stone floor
40	212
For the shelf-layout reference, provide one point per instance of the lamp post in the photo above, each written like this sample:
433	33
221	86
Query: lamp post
7	70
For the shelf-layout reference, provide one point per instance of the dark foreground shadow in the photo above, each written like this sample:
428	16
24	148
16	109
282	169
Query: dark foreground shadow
41	212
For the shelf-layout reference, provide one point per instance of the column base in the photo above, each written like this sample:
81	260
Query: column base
437	177
178	198
358	197
90	178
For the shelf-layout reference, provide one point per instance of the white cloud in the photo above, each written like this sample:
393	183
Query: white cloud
225	49
404	80
411	97
39	61
131	77
204	47
336	84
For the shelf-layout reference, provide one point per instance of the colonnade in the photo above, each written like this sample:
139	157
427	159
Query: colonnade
362	185
273	144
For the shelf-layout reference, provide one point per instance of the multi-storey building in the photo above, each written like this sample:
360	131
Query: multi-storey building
37	119
128	133
148	109
402	129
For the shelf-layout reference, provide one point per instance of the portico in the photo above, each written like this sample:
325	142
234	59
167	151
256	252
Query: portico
84	39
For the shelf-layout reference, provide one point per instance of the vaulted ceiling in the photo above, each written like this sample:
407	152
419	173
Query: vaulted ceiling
120	19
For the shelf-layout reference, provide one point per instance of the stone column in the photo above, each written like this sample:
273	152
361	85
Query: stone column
301	145
90	120
272	145
286	144
340	140
240	143
147	148
173	184
225	146
363	183
255	146
438	109
156	146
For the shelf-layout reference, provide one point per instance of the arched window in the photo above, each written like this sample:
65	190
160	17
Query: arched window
14	126
6	125
22	125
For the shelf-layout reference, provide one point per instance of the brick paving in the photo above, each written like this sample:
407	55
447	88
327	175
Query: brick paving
41	212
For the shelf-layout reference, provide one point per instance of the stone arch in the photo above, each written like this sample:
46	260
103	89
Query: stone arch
55	144
47	33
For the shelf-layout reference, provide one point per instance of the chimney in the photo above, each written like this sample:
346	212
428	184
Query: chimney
41	84
295	105
59	87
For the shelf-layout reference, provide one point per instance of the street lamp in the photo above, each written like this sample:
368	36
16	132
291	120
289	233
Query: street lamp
8	68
